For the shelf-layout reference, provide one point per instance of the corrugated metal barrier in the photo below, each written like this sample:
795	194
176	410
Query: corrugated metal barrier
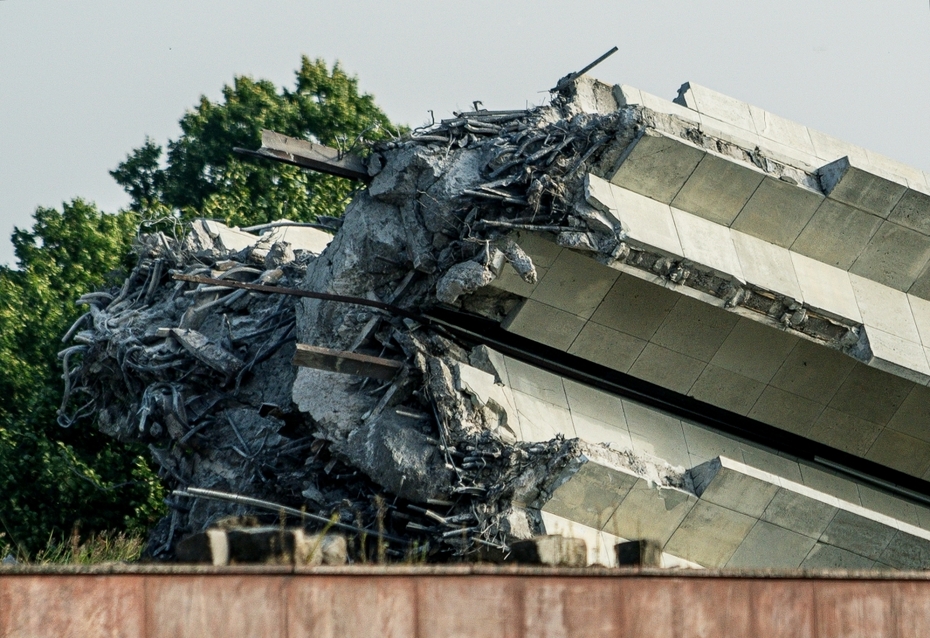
472	601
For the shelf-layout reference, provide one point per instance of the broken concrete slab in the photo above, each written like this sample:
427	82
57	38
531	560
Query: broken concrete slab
552	551
718	189
657	165
847	181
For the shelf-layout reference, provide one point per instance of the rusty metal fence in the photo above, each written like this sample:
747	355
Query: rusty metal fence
458	601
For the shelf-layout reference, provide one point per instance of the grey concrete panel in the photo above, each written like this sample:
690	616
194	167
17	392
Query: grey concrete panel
718	189
913	417
695	328
829	483
535	382
786	411
657	165
647	222
705	445
913	211
871	394
844	431
813	371
889	505
826	288
920	309
843	181
510	281
895	256
769	546
667	368
898	356
907	552
592	430
604	406
766	265
707	243
541	247
777	212
921	286
884	308
541	421
824	556
780	129
650	513
635	307
728	390
608	347
754	350
799	512
709	534
836	234
717	483
770	461
575	283
591	495
830	148
671	449
901	452
718	105
858	534
545	324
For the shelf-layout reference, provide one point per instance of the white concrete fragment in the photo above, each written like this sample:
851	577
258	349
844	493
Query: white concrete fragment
861	186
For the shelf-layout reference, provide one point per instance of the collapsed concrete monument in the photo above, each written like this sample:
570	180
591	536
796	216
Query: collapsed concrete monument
613	318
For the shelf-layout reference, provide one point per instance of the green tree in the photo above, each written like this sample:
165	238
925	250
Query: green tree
203	177
53	478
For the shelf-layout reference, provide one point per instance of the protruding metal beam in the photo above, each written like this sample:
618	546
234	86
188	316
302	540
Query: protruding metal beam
316	157
346	362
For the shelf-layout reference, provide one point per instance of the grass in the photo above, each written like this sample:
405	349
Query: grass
105	547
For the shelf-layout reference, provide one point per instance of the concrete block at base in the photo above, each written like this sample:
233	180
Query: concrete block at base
639	553
836	234
846	181
718	189
657	165
777	212
552	551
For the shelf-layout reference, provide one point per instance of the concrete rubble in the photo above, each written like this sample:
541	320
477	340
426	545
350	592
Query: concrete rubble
396	427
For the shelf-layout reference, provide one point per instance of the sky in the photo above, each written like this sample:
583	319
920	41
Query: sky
83	82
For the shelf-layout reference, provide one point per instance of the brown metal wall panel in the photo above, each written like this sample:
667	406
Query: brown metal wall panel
568	608
782	608
911	608
230	606
351	607
475	607
854	610
65	606
648	607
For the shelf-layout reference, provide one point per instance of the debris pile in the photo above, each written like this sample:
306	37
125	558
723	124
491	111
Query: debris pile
426	453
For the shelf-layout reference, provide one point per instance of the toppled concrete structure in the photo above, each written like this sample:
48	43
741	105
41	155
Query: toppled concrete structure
652	253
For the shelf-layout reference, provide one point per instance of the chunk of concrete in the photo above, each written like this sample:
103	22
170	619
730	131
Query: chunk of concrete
552	551
727	483
777	212
836	234
639	553
847	181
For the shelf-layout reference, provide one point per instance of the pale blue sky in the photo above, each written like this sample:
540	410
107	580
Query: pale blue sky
82	82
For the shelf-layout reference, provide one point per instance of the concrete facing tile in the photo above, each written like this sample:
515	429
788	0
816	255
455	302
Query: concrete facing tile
824	556
591	495
593	430
907	552
718	105
913	210
895	256
889	505
705	445
884	308
871	394
771	462
587	400
792	510
545	324
667	368
844	431
657	165
777	212
707	243
575	283
650	512
766	265
646	221
826	288
900	452
836	234
829	483
719	482
535	382
541	421
769	546
898	356
692	541
858	534
813	371
786	410
725	389
668	447
661	105
844	181
510	281
913	417
754	350
718	189
782	130
920	310
830	148
607	347
635	306
726	131
695	328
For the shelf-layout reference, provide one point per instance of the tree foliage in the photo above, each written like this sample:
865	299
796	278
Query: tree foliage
203	177
52	479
